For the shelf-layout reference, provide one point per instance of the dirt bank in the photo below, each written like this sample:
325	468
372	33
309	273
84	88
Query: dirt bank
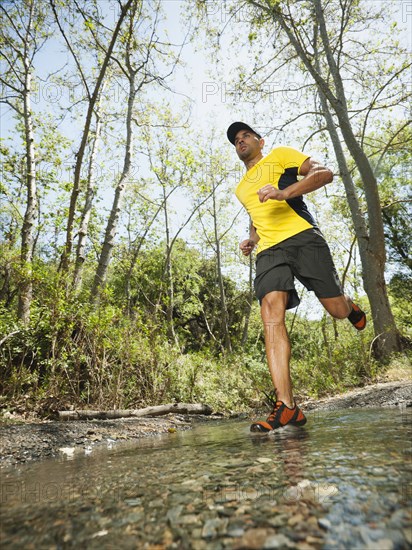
386	394
26	441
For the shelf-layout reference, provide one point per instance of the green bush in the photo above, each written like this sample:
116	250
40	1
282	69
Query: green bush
119	353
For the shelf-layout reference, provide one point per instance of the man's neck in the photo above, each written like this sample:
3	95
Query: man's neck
250	163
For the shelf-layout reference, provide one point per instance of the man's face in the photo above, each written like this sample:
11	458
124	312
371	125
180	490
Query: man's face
247	144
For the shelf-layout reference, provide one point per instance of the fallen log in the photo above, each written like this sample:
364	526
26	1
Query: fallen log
158	410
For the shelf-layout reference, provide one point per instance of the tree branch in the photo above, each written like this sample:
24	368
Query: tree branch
75	57
407	123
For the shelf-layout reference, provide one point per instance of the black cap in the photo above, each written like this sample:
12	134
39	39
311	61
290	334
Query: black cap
236	127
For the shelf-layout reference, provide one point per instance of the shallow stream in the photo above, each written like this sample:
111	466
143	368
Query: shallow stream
342	481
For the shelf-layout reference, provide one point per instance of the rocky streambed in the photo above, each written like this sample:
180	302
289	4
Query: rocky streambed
24	441
342	482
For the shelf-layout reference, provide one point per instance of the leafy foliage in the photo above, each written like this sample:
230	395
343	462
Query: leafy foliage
73	353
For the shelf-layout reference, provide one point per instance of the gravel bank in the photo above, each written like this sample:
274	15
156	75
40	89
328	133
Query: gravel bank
23	442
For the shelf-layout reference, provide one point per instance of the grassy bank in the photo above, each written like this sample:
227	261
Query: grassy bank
77	356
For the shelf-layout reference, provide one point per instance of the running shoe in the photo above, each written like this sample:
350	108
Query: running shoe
357	317
279	417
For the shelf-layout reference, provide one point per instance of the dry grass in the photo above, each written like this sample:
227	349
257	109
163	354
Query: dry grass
400	368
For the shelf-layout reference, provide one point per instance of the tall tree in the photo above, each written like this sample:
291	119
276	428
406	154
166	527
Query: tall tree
88	202
148	61
23	34
325	58
216	223
93	93
176	170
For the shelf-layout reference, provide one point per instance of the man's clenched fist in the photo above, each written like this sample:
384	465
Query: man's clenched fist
247	246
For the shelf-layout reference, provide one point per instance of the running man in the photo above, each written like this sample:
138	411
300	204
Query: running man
289	245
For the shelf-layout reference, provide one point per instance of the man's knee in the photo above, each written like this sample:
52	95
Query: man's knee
273	307
339	314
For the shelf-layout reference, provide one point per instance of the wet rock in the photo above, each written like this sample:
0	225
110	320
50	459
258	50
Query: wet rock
198	545
190	519
174	513
382	544
227	511
255	470
396	519
278	521
355	520
324	523
294	535
241	510
132	518
277	541
253	539
213	527
133	501
68	451
101	533
235	532
407	533
312	522
294	520
314	540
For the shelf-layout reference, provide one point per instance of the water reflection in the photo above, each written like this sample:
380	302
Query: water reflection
290	448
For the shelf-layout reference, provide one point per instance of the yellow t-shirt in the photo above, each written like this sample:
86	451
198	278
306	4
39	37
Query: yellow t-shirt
273	220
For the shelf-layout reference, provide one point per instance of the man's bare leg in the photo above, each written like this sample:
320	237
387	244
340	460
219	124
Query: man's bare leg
338	307
273	310
342	307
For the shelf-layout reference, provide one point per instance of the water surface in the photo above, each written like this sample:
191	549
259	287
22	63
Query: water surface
342	481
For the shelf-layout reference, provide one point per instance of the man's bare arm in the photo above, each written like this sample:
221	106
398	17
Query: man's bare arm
253	234
315	176
249	244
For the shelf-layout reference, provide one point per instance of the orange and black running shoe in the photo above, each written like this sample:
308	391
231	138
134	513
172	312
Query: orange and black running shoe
357	317
280	416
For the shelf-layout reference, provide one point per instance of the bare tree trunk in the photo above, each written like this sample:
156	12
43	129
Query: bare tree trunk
84	225
225	324
373	262
112	224
28	228
371	243
156	410
86	130
373	255
249	302
169	275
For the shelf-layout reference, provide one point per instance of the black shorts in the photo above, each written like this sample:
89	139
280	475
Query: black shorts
305	256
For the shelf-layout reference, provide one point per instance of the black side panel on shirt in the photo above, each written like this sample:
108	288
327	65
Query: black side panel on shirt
297	204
